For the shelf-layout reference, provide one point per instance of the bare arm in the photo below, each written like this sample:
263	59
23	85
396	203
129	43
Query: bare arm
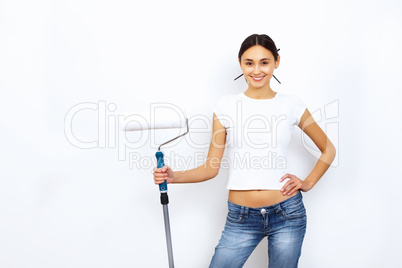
204	172
328	151
320	139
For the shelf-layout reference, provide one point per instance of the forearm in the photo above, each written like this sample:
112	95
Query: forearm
198	174
323	163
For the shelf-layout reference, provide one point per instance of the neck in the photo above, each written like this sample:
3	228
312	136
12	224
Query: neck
260	93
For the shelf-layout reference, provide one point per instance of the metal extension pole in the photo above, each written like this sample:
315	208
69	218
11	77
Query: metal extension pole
168	236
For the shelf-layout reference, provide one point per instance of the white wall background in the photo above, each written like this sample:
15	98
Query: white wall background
63	206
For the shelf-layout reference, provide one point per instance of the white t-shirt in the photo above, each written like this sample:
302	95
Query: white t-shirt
258	133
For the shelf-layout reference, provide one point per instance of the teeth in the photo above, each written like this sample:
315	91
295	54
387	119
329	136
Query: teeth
258	78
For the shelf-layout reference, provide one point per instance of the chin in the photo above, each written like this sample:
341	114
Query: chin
259	85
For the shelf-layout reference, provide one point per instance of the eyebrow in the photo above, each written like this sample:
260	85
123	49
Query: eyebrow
260	60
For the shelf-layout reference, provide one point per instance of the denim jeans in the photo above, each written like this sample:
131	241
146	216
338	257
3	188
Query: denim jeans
284	225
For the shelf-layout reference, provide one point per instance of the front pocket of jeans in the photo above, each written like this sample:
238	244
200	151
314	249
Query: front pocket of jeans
234	216
296	210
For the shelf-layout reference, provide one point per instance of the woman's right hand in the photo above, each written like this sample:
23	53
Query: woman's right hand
162	174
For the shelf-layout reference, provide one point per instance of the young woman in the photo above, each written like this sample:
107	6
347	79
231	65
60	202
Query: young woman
256	126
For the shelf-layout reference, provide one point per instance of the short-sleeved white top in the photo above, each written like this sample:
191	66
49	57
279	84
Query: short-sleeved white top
258	134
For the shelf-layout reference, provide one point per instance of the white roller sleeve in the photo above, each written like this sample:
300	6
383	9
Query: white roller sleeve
161	117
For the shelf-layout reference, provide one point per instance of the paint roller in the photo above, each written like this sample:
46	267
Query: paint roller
167	119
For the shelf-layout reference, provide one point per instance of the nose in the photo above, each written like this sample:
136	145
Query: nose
257	69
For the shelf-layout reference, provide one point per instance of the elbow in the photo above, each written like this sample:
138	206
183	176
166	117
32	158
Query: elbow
332	151
212	168
215	173
333	154
212	173
329	153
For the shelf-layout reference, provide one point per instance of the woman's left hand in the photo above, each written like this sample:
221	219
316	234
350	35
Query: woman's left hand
293	184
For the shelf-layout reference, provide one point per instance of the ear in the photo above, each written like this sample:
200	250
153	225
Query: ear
240	63
277	62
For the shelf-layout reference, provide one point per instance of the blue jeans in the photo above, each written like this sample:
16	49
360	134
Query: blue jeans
283	223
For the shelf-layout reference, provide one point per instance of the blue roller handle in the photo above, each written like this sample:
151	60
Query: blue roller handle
160	163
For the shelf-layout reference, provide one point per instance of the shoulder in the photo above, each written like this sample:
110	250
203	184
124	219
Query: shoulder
291	100
227	99
289	97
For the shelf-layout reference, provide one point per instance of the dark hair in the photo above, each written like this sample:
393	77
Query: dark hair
259	39
262	40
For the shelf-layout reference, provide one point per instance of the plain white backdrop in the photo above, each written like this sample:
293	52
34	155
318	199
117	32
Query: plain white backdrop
62	205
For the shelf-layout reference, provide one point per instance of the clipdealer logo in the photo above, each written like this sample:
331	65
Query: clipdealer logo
111	126
109	133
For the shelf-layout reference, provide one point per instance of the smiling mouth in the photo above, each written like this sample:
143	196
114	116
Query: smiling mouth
257	78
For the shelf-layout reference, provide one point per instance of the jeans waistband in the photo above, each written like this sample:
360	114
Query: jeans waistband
267	209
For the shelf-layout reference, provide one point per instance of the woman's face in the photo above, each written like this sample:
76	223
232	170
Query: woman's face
258	64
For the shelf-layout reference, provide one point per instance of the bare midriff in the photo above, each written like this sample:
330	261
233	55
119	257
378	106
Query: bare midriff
257	198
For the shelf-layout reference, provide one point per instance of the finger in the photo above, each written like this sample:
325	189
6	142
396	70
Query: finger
284	177
286	186
297	185
290	189
286	192
160	175
158	180
294	188
157	170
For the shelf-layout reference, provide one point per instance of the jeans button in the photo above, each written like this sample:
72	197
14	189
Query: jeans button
263	211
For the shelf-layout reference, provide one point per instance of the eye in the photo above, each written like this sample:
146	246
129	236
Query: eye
265	62
249	63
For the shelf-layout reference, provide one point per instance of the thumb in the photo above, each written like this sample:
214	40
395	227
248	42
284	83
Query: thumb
165	168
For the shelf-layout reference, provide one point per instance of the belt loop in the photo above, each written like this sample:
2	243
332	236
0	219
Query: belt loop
278	209
246	212
241	211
